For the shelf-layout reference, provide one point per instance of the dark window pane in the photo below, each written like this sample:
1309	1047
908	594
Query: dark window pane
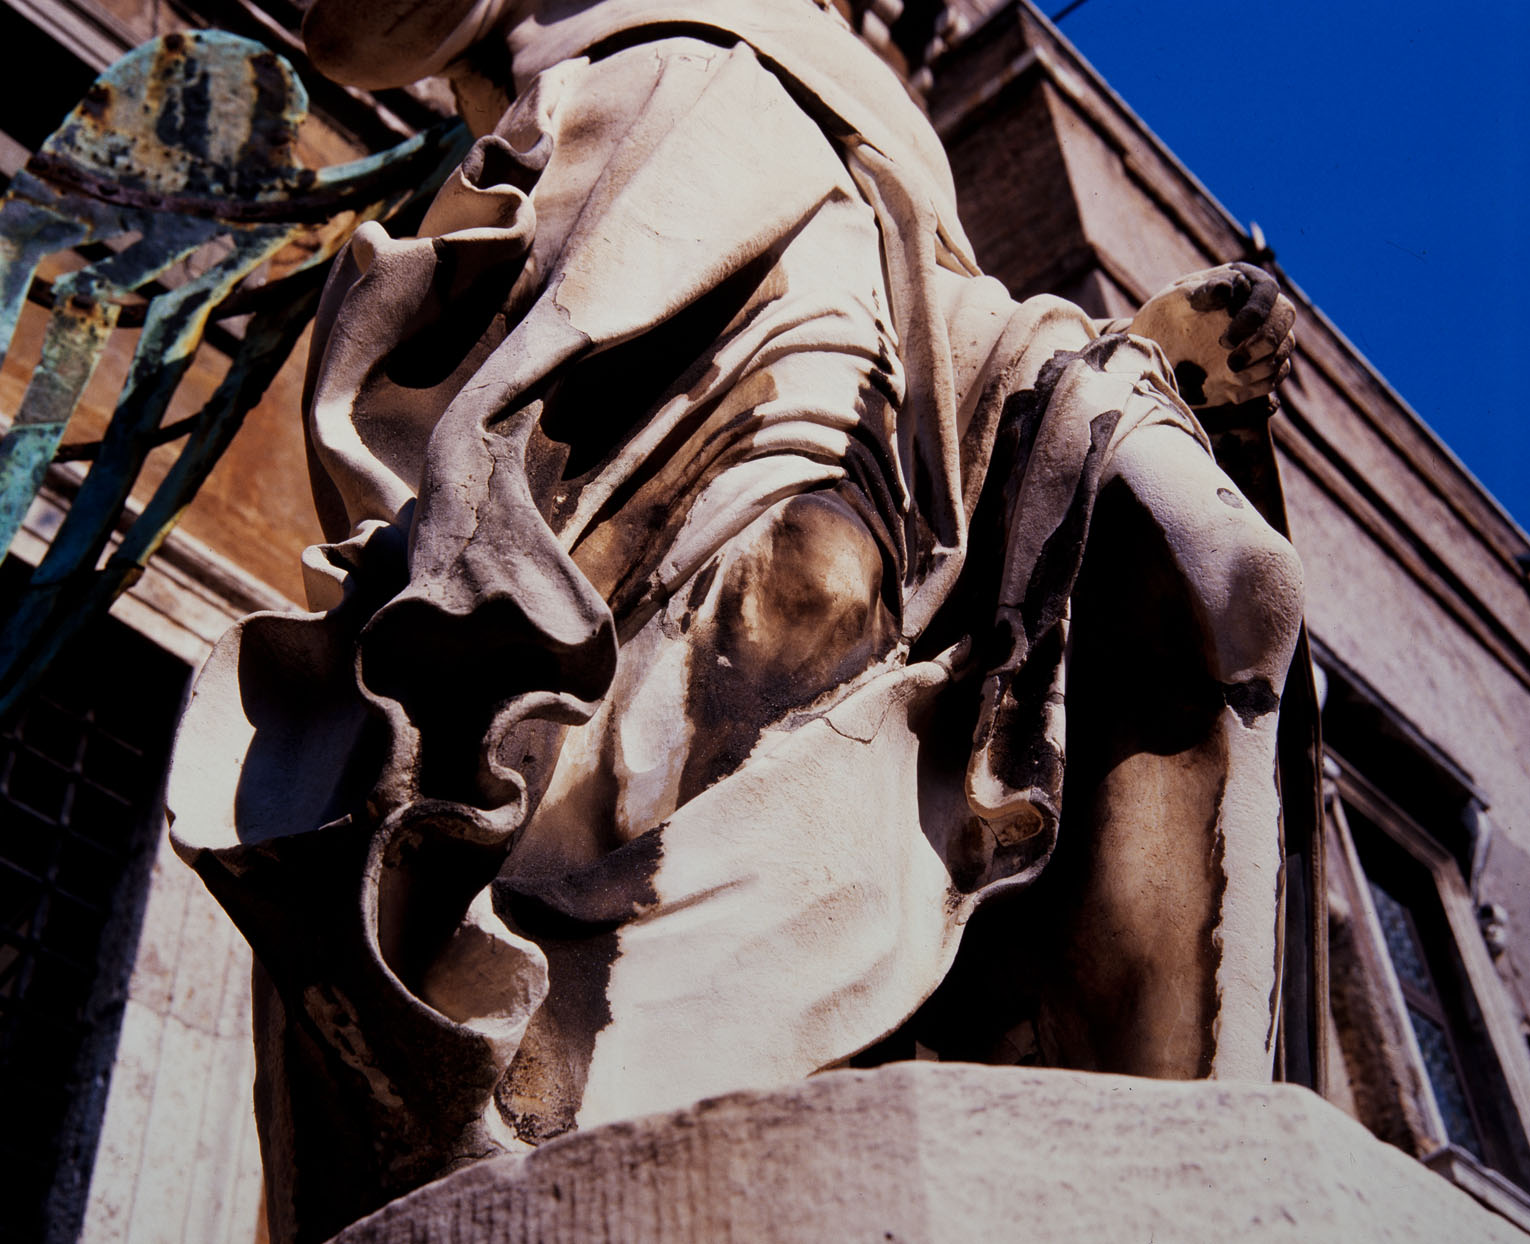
74	928
1444	1079
27	841
87	871
118	768
101	815
38	785
1407	955
49	729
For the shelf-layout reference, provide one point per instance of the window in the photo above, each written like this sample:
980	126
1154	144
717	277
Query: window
1426	1049
80	771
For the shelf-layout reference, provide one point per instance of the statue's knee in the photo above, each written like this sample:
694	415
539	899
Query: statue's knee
804	591
1257	611
1238	577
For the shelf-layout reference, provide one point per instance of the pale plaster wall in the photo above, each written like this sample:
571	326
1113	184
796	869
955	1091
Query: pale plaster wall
1372	615
177	1161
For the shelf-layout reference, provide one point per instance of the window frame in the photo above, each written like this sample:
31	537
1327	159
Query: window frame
1345	785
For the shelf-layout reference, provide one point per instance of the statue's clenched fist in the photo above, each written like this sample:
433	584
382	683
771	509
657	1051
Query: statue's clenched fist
1228	332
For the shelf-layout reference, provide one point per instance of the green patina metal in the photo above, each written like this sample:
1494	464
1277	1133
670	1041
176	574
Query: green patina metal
182	151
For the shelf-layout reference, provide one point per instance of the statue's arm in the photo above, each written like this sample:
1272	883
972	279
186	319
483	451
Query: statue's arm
380	43
1228	333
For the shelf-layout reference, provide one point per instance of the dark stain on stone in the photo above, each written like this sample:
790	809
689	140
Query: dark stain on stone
1251	700
655	31
575	918
1056	569
1191	379
787	629
1101	350
1212	296
1022	756
880	376
924	486
975	595
696	596
1211	1006
1282	918
1130	599
603	399
596	898
540	1094
702	584
1221	294
459	310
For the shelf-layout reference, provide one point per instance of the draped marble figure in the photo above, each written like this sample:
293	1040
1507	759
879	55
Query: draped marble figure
720	569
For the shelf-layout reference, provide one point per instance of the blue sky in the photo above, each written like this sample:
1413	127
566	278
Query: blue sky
1382	147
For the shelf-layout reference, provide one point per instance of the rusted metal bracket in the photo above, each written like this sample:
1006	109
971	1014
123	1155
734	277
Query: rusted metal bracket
182	149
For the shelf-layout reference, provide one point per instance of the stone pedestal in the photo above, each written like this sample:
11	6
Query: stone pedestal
950	1152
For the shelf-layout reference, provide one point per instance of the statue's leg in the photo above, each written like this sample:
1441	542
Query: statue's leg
794	610
1166	881
786	610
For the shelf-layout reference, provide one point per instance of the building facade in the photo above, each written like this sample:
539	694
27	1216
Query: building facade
123	988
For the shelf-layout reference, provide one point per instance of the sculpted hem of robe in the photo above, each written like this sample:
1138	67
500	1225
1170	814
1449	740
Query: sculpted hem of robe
505	866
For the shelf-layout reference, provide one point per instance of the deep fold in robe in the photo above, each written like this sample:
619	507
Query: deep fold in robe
475	488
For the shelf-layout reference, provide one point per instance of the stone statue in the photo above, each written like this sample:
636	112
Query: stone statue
721	568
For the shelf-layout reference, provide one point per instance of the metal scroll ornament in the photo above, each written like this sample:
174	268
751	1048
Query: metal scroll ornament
183	150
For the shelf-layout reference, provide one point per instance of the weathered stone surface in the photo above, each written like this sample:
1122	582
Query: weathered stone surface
719	568
949	1152
177	1160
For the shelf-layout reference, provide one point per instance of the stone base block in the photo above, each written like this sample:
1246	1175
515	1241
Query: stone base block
950	1152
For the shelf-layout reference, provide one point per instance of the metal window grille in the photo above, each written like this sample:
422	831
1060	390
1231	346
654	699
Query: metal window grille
81	765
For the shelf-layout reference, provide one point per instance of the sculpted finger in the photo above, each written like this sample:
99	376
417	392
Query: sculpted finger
1226	290
1287	347
1280	325
1275	339
1248	278
1264	296
1265	375
1260	372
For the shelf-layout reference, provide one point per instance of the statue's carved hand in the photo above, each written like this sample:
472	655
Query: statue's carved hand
1228	332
